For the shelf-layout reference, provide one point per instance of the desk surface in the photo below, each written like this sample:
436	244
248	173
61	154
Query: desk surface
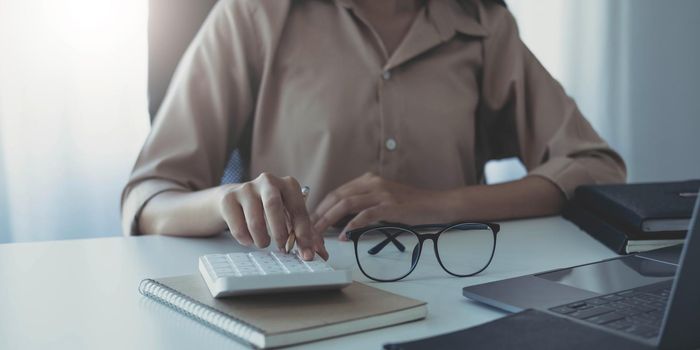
83	293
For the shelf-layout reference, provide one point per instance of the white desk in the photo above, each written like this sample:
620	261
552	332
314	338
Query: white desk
83	293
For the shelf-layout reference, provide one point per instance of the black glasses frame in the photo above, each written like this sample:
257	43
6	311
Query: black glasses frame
354	235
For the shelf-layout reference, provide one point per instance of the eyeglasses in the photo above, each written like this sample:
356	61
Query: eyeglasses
388	253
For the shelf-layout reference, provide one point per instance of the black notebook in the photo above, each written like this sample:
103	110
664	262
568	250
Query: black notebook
643	207
634	218
615	237
529	329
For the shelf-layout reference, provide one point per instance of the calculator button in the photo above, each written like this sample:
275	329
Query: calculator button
249	271
271	270
220	266
316	265
238	257
228	273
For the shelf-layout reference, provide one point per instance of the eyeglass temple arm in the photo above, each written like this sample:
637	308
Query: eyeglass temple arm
389	238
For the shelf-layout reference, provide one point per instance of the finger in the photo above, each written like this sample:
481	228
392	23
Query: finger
364	218
255	218
275	214
235	220
294	203
344	207
320	248
313	217
357	186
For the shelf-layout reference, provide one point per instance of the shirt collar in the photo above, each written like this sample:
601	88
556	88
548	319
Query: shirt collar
448	17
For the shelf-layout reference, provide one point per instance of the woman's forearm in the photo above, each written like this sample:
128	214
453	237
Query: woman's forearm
370	199
198	214
528	197
183	214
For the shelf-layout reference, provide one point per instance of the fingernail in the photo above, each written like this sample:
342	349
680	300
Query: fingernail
342	237
308	255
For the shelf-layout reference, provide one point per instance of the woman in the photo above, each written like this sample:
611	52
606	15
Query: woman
388	109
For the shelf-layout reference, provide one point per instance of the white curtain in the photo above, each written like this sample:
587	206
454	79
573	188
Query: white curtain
73	114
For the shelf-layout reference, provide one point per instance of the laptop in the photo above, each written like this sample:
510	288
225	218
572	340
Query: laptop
652	297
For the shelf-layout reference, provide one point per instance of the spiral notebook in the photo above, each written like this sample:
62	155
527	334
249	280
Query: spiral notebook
268	321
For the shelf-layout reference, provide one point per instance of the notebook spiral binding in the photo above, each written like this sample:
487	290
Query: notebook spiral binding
212	318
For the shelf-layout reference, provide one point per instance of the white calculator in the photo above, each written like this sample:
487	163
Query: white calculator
267	272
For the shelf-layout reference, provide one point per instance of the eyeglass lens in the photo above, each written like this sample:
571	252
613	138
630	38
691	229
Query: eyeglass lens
466	249
387	253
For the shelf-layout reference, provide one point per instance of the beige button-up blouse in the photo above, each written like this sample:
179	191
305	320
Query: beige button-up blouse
307	88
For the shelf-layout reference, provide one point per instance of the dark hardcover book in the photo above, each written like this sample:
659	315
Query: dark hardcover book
615	237
529	329
643	207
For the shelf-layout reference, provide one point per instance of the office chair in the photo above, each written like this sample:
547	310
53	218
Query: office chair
172	24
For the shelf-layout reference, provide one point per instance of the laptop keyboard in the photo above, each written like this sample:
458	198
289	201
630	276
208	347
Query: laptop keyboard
636	311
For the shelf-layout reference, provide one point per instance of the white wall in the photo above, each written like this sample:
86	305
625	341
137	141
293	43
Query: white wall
633	67
663	87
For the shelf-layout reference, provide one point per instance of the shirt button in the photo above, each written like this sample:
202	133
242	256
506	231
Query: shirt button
386	75
390	144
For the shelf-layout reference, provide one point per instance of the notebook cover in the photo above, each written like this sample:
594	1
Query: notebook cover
613	236
529	329
289	312
632	204
600	230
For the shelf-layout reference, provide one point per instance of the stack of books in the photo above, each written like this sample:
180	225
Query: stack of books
632	218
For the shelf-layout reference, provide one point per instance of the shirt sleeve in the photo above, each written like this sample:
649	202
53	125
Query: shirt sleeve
526	113
203	114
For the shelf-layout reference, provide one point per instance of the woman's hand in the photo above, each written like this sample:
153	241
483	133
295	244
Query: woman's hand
374	199
267	208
